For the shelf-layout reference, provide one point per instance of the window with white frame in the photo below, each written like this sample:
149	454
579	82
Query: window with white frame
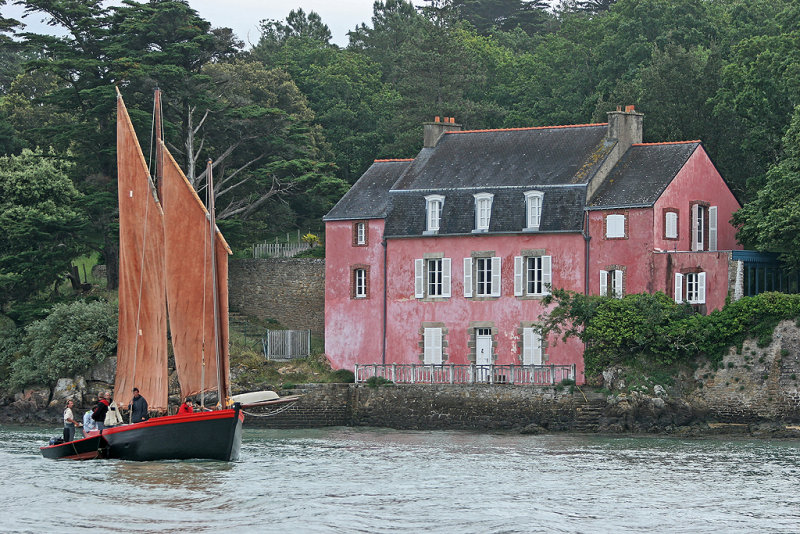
615	225
432	346
691	286
432	277
533	208
531	347
483	211
482	276
698	226
360	283
532	275
611	283
433	210
671	225
360	234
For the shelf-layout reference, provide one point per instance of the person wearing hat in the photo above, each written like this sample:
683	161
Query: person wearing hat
138	407
186	407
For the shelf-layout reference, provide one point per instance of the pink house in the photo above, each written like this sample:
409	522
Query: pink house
436	266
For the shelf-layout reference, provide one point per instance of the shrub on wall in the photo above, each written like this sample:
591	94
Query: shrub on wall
653	328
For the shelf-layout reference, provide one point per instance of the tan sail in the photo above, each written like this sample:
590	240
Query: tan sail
190	295
142	341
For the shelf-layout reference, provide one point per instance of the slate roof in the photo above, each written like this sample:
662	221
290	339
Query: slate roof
642	174
562	210
515	157
368	198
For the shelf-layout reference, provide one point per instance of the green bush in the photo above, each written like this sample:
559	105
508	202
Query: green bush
344	376
377	381
70	340
653	328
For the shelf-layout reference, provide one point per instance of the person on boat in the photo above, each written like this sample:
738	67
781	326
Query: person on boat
138	407
89	424
186	407
69	422
101	409
113	417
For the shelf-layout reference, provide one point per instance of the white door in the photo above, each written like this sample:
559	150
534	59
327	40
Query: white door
483	352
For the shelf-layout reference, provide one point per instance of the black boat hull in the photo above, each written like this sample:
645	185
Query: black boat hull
89	448
215	435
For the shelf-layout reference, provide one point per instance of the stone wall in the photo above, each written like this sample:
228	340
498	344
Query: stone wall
288	290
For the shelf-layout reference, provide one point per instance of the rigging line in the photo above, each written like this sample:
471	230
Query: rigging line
270	414
152	135
139	303
204	314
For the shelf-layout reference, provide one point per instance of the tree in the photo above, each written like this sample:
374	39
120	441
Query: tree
771	222
298	24
40	224
71	339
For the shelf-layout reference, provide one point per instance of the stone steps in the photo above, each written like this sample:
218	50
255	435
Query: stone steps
587	417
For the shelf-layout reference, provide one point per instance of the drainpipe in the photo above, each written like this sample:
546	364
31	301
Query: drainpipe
586	238
383	352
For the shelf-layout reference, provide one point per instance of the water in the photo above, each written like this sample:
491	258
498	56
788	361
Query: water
374	480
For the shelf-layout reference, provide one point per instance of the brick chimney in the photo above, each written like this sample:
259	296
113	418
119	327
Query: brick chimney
624	129
433	131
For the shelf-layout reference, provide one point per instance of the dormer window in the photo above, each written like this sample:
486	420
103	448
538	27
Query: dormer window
433	209
483	211
533	206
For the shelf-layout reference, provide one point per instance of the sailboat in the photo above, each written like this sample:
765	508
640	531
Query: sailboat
173	269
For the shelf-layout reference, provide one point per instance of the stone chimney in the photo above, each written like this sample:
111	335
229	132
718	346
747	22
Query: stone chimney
433	131
624	129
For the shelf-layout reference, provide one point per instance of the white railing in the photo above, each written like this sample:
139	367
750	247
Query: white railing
286	344
535	375
278	250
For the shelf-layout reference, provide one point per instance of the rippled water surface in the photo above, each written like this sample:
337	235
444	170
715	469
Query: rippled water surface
374	480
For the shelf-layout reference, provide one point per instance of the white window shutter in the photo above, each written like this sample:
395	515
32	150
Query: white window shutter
618	284
467	277
496	275
603	283
671	225
678	288
419	278
446	270
547	274
527	346
694	227
712	228
518	270
433	346
701	288
537	348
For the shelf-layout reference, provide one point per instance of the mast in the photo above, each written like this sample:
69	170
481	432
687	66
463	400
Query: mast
222	385
159	134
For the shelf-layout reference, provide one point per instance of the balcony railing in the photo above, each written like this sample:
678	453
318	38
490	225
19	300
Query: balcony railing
532	375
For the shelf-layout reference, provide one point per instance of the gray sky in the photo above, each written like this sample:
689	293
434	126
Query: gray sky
243	16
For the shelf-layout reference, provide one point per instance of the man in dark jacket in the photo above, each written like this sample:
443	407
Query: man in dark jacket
101	409
138	407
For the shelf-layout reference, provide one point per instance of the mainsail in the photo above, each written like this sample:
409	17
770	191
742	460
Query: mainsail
190	286
142	341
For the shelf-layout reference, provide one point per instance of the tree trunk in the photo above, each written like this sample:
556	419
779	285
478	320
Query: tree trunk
111	253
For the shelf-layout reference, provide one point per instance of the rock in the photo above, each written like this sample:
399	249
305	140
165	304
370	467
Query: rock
31	399
69	388
658	403
532	428
659	390
104	372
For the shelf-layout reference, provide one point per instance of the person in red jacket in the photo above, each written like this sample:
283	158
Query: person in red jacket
186	407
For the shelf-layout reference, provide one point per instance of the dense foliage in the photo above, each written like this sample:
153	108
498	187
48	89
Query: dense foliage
67	342
293	121
654	329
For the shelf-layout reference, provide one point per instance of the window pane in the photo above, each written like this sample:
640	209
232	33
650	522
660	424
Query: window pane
484	276
435	277
533	275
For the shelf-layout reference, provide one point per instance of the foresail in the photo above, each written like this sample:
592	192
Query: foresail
142	338
189	285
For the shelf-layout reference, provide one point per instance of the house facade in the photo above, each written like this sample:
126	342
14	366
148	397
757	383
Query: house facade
441	262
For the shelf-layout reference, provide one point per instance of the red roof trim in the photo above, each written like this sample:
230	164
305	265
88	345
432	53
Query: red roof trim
392	160
668	143
528	128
